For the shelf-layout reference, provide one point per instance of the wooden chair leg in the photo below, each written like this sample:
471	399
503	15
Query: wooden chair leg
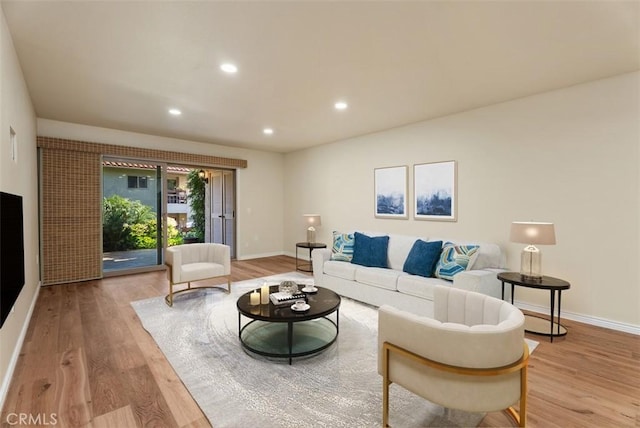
385	387
169	299
228	285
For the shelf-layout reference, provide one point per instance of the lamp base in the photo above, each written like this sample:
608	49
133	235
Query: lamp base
311	235
531	263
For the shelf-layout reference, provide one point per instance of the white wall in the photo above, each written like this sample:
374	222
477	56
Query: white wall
16	111
569	156
259	186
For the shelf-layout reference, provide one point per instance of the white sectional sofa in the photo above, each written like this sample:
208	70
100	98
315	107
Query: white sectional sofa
378	286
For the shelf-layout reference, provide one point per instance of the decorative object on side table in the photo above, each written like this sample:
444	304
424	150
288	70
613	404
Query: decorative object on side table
312	220
532	233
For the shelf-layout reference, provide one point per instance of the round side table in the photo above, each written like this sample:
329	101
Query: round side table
304	265
534	324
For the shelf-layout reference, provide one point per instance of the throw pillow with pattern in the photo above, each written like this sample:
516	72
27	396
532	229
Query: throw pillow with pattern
455	259
342	249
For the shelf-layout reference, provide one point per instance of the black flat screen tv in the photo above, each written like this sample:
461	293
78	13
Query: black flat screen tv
11	252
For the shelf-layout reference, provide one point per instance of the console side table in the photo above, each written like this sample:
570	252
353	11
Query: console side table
535	324
304	265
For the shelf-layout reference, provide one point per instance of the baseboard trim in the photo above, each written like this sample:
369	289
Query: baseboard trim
259	256
599	322
6	382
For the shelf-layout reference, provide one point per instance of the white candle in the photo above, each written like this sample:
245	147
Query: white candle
264	294
254	298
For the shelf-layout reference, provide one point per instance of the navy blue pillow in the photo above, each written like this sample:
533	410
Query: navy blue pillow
370	251
423	257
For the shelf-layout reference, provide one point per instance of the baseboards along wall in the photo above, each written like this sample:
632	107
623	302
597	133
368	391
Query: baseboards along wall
6	382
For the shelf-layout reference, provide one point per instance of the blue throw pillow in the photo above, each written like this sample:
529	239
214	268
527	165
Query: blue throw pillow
370	251
423	257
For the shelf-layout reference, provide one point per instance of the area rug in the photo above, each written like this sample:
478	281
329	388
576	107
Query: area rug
339	387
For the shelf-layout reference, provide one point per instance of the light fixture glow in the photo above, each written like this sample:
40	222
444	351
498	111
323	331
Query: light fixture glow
267	131
340	105
175	111
229	68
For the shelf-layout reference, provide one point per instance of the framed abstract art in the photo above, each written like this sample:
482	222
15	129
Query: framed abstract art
434	188
391	192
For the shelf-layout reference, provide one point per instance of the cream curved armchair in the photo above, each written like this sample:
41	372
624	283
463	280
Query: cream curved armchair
196	262
471	356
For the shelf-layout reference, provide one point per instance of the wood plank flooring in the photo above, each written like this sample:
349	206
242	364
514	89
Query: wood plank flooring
88	362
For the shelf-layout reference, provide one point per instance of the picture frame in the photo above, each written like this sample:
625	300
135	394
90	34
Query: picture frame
390	192
435	191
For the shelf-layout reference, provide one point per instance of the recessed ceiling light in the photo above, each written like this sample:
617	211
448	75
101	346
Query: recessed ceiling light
267	131
229	68
340	105
175	111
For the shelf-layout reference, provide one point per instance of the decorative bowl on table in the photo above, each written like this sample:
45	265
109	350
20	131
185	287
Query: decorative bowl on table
289	287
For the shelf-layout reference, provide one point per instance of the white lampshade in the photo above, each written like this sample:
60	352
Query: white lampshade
534	233
312	220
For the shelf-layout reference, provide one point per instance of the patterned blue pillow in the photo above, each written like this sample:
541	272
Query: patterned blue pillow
342	249
455	259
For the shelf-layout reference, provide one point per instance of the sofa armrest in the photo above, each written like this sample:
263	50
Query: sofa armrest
318	257
222	256
483	281
173	259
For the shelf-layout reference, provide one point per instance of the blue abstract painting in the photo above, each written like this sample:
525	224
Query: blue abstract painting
435	191
391	192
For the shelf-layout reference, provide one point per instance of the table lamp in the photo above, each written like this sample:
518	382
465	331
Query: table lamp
312	220
532	233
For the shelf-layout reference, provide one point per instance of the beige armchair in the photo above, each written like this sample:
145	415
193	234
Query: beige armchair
472	356
196	262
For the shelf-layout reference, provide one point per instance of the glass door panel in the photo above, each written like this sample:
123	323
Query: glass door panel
133	207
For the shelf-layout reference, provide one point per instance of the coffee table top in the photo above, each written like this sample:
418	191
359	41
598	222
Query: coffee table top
321	303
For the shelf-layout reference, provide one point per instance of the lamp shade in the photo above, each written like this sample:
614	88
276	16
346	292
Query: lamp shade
534	233
312	219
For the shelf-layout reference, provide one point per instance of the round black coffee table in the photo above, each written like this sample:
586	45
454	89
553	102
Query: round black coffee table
278	331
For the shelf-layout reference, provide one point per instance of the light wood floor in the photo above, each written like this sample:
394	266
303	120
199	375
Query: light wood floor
87	361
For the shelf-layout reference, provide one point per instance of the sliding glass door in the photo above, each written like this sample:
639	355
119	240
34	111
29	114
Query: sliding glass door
148	206
132	211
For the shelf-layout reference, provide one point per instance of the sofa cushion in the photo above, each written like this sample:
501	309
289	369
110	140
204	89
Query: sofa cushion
342	249
370	251
379	277
419	286
198	271
455	259
340	269
423	257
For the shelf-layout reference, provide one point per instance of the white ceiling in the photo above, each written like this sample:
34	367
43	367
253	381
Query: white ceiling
124	64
